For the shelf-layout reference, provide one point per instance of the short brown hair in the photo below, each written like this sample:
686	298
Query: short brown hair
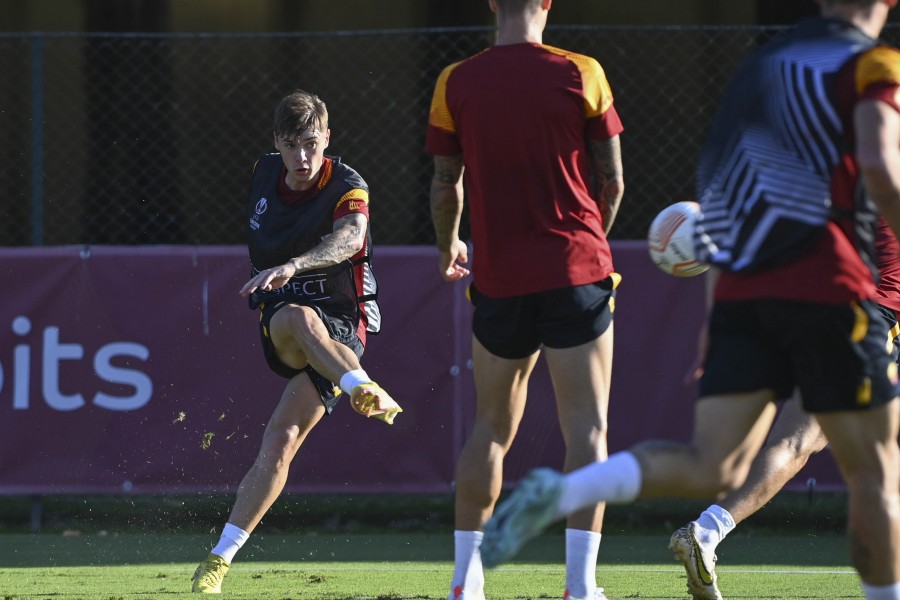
299	111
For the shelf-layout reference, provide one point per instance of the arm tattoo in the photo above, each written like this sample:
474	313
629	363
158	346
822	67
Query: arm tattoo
609	186
446	199
346	239
448	169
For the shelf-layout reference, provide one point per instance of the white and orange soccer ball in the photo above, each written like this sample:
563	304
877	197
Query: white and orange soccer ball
670	240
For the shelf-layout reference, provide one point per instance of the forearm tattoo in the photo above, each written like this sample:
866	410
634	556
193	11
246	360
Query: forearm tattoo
446	199
347	238
606	160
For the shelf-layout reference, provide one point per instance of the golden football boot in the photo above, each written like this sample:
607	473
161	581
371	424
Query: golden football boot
370	400
209	575
699	564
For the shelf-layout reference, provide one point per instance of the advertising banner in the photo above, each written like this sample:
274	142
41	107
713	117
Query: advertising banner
139	370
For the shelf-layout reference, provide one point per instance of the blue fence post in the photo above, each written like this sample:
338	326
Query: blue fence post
37	139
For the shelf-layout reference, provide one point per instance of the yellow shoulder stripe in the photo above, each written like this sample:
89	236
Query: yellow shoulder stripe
356	197
595	88
439	115
878	65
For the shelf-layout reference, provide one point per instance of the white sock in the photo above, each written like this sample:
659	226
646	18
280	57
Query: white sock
713	525
351	379
233	537
467	571
617	481
881	592
581	562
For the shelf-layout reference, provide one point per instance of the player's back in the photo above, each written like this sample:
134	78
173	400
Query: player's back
779	226
519	113
518	109
764	172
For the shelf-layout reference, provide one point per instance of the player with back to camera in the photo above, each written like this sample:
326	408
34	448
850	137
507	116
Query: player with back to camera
535	132
312	281
795	436
798	311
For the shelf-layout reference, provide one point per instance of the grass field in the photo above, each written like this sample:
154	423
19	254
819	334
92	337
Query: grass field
391	547
401	566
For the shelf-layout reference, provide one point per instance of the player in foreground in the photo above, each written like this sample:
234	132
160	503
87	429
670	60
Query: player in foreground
797	311
795	436
312	283
535	130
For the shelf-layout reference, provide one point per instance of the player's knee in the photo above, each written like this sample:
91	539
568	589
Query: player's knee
278	447
503	435
594	435
305	323
584	446
790	453
495	429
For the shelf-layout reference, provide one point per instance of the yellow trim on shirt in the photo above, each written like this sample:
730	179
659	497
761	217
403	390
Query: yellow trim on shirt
439	116
355	196
878	65
594	85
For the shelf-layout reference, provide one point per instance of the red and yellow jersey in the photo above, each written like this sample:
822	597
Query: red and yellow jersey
836	269
356	200
887	255
875	75
870	75
521	116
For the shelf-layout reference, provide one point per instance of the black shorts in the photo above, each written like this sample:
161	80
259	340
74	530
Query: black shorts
340	328
834	354
517	326
893	338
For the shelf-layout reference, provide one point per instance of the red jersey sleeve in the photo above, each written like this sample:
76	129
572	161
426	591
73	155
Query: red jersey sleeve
877	77
356	201
606	126
887	259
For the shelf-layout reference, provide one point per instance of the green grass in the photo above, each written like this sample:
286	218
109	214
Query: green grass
392	547
339	566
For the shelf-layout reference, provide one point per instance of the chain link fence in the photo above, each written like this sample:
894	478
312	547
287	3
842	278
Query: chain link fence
149	139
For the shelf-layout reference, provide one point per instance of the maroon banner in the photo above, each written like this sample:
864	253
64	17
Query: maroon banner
139	369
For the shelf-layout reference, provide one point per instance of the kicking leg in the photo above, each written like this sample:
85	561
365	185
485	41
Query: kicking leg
302	338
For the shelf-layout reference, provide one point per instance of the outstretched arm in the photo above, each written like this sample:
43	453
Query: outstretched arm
446	211
346	239
609	184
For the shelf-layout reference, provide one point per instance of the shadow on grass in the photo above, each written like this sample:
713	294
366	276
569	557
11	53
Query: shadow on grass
55	550
793	529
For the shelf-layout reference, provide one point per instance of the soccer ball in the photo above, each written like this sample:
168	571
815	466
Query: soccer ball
670	240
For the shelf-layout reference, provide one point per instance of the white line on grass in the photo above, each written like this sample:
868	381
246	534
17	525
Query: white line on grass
543	569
